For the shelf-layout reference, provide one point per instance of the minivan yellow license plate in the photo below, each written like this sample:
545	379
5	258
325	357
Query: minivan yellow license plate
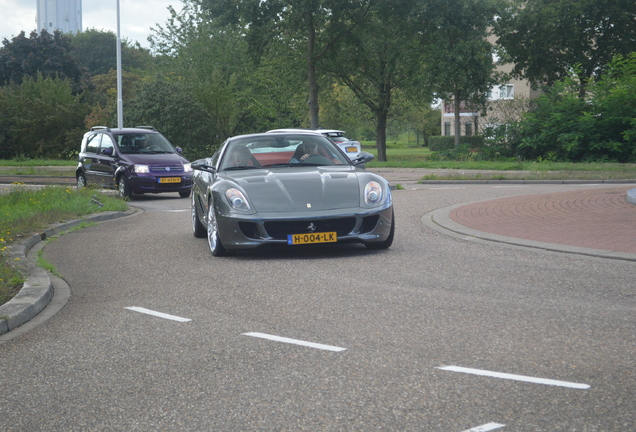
169	179
325	237
352	149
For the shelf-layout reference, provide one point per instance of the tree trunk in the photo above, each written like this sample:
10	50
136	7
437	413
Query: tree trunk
458	123
311	77
380	134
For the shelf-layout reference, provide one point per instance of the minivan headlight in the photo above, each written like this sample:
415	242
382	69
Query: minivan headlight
141	169
187	167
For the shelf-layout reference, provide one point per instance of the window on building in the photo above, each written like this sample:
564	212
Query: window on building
507	91
447	128
468	128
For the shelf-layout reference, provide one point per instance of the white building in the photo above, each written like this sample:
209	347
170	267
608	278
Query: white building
506	103
63	15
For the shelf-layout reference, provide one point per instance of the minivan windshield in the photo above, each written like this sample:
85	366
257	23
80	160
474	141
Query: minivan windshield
143	143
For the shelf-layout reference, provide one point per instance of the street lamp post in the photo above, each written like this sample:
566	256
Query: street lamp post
120	109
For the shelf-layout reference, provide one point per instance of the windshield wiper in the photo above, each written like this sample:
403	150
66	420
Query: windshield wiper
238	168
276	165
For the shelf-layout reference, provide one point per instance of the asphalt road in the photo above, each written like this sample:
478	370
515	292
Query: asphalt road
395	329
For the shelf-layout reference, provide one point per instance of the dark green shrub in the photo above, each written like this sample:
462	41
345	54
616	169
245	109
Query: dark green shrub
600	127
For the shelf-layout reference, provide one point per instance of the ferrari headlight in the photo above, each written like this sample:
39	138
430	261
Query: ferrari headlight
187	167
237	200
141	169
372	193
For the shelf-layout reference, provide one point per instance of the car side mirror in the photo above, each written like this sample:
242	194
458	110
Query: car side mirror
202	165
107	151
363	158
179	150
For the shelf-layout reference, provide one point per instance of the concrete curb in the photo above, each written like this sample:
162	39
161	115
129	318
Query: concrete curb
631	196
440	221
37	290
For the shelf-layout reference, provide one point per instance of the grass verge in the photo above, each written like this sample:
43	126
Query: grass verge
401	155
26	210
39	167
37	163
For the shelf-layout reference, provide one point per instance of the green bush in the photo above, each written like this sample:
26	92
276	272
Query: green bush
599	127
41	118
170	106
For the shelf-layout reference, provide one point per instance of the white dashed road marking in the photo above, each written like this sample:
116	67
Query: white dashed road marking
295	342
515	377
485	428
158	314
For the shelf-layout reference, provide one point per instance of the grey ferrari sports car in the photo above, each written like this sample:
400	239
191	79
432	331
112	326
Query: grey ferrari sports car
288	189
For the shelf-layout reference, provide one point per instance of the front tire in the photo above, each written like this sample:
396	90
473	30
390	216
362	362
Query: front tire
123	188
214	242
198	229
81	181
389	240
185	194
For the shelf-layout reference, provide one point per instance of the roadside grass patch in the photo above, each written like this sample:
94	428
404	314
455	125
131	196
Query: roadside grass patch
25	210
11	280
406	155
25	162
46	265
40	167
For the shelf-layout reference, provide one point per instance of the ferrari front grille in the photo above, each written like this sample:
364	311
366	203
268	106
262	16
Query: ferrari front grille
281	229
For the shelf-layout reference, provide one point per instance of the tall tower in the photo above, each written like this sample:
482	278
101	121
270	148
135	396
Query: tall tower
63	15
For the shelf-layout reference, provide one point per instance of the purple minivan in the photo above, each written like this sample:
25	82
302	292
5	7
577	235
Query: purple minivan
134	161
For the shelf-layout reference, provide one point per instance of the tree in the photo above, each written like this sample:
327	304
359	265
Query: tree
96	50
459	58
42	116
599	127
212	58
169	106
377	56
44	54
547	39
341	109
103	98
412	114
312	27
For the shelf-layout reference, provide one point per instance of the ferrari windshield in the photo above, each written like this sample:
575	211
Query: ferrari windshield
137	143
280	150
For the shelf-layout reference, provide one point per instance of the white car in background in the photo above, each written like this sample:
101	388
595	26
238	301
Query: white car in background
351	148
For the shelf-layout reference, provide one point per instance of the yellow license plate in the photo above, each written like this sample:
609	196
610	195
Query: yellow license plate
325	237
169	179
352	149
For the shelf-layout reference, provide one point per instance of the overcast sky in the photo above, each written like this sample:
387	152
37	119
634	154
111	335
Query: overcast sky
137	16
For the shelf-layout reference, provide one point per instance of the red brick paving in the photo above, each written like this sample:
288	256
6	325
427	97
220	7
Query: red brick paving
596	218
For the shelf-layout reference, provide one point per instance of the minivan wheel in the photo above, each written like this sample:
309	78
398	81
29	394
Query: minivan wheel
81	181
123	189
185	194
